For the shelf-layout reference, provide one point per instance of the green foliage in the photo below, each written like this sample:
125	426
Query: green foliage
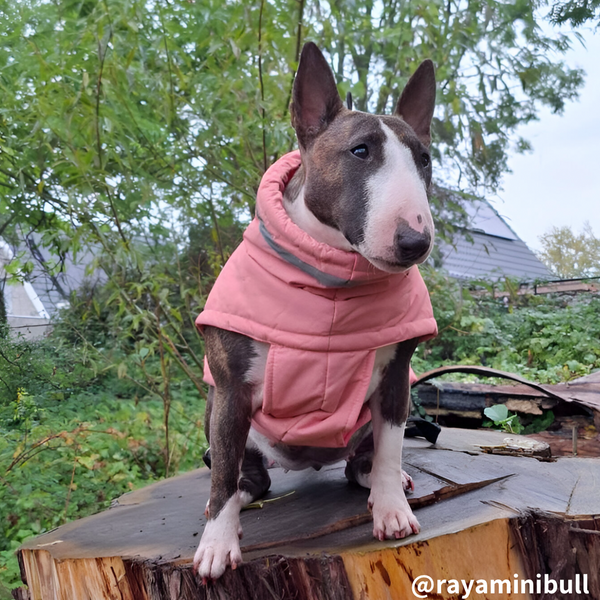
540	422
493	71
547	339
114	110
112	399
575	12
570	255
78	443
417	407
501	417
50	368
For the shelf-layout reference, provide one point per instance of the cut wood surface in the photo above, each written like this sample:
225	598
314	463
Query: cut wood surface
308	542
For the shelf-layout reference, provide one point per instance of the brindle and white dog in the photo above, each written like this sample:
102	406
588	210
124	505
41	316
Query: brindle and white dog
362	188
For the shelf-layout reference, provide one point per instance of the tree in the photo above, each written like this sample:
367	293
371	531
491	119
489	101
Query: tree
575	12
137	129
570	255
111	108
495	67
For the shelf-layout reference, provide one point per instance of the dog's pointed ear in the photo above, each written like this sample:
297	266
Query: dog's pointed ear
417	101
315	100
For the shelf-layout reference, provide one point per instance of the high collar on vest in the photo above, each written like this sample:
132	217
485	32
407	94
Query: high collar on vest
325	265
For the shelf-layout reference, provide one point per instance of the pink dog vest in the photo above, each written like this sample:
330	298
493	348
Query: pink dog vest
324	313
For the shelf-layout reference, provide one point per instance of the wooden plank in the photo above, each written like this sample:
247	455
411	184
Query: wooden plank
516	390
586	489
549	287
564	286
487	372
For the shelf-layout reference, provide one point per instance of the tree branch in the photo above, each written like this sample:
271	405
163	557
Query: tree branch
286	108
262	86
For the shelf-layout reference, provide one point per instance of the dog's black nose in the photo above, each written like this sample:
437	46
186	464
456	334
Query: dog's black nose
410	245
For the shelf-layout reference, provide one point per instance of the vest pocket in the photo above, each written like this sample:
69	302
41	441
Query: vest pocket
294	382
298	382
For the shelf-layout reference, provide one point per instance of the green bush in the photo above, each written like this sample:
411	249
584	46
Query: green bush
71	447
545	338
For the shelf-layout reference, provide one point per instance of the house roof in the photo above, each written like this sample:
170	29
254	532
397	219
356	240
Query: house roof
489	249
50	291
54	290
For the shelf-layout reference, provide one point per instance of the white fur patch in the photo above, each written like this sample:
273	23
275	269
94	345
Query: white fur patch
396	192
273	453
364	480
306	220
220	543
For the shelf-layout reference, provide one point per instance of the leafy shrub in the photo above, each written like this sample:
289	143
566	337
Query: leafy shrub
71	447
49	368
499	416
546	338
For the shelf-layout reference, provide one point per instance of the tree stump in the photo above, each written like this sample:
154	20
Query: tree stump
483	517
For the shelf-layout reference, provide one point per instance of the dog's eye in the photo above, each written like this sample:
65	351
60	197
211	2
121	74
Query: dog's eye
360	151
425	160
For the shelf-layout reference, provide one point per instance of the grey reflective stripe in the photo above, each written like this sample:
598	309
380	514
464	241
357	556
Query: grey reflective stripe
323	278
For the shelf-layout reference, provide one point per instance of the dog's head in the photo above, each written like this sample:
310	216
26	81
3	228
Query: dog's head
365	177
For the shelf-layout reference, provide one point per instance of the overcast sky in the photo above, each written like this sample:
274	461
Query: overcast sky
559	182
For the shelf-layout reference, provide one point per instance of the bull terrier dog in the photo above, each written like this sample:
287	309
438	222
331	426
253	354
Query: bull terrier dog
310	327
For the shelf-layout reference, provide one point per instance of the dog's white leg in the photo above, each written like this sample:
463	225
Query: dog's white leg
392	515
220	545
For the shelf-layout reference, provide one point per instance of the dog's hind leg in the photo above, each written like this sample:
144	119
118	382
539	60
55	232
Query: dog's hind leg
360	464
254	480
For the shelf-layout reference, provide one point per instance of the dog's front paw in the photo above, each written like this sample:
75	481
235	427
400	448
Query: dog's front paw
218	549
392	516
